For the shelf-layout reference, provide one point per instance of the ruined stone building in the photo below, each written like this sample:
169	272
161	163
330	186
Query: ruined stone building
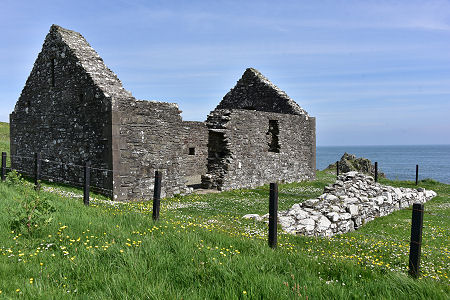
257	134
74	109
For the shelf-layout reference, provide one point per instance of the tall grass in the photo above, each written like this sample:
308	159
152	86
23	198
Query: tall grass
119	252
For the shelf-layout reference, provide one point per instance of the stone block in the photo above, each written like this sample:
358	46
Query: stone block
353	209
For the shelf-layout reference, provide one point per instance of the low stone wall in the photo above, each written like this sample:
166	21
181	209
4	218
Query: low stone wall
352	201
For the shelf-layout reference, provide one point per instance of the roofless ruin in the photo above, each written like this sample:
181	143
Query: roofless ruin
74	109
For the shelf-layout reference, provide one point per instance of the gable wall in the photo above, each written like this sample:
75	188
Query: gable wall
243	158
253	91
68	122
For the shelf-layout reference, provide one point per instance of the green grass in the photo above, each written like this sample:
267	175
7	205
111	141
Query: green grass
202	249
4	139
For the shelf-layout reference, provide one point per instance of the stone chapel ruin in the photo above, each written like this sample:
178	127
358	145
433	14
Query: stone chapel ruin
74	109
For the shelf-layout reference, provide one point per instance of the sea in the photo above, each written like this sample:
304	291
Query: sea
397	162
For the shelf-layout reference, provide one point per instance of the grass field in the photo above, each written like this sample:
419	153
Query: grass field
202	249
4	138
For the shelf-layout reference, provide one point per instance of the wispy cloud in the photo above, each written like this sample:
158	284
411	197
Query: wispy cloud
426	15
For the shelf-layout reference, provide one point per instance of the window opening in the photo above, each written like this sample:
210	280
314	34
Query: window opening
273	133
191	151
217	147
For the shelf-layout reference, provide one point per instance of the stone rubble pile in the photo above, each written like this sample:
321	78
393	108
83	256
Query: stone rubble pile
353	200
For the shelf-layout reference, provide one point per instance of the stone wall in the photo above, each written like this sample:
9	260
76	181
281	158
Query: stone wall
240	153
63	113
352	201
147	136
195	151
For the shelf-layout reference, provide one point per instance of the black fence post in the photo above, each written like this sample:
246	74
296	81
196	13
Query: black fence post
273	215
157	195
87	182
416	239
3	166
37	170
417	174
376	171
337	168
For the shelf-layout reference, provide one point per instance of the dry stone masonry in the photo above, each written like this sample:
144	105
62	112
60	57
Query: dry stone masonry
73	109
352	201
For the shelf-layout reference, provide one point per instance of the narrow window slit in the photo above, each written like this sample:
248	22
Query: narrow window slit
274	131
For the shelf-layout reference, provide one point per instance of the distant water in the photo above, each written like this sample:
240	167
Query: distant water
397	162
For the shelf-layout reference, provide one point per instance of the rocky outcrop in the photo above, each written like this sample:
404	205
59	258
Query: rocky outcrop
352	201
350	162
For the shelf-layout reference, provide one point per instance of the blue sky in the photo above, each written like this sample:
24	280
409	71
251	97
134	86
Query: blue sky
371	72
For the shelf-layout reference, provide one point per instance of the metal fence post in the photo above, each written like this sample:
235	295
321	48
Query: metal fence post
273	215
157	195
417	174
87	182
37	170
416	239
337	168
3	166
376	171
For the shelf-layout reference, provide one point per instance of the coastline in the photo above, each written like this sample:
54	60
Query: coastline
398	162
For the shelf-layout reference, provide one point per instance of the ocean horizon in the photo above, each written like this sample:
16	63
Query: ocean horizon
398	162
